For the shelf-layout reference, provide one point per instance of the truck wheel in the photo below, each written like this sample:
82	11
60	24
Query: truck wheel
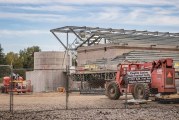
141	91
113	91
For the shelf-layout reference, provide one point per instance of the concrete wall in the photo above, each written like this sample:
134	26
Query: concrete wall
90	54
50	60
48	72
46	80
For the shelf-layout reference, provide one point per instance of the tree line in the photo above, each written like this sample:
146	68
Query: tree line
21	62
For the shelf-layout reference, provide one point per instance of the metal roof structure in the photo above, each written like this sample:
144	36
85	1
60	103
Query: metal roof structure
88	36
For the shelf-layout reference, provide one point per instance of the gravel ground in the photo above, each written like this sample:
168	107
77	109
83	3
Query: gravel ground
51	106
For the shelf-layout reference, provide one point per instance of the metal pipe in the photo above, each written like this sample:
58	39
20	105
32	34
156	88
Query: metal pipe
11	92
67	72
11	88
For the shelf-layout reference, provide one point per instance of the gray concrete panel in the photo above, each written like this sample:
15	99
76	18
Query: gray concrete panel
46	80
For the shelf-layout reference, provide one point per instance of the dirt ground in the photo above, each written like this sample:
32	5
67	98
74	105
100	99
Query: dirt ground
52	106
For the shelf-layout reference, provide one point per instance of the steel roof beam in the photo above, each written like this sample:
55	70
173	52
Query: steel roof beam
76	34
59	40
85	41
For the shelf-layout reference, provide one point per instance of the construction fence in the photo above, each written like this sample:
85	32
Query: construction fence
77	91
72	94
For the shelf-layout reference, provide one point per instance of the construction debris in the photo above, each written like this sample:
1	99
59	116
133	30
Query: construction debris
137	101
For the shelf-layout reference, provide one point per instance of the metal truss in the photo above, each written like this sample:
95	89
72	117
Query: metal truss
87	36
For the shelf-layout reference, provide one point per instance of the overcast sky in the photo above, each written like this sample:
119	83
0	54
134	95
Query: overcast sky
25	23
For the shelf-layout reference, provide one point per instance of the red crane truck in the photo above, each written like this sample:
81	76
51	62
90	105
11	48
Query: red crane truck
143	79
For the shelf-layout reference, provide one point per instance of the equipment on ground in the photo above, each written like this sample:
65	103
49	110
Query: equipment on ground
143	79
18	85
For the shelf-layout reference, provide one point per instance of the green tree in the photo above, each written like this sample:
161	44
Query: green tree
14	60
2	59
4	71
22	61
27	56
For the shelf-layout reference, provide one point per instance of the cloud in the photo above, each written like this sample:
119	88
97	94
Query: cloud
24	1
163	20
48	8
146	2
66	5
138	16
153	16
131	15
120	2
165	11
22	32
122	15
34	17
135	16
15	40
93	2
107	14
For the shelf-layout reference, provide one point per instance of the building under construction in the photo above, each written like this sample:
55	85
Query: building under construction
98	51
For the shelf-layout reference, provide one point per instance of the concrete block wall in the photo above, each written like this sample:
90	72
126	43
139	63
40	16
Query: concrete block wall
91	54
109	51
